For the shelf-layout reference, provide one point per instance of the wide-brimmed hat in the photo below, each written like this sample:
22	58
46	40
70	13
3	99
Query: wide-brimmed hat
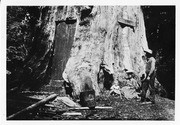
148	51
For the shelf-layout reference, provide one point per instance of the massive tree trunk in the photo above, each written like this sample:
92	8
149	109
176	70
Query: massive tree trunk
99	42
112	37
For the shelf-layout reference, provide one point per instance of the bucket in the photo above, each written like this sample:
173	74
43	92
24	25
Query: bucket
87	99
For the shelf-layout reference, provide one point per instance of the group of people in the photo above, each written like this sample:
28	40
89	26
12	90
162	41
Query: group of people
147	80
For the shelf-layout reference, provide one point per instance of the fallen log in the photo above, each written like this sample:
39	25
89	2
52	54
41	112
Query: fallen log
33	106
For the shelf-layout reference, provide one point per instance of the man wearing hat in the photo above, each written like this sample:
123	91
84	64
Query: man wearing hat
148	82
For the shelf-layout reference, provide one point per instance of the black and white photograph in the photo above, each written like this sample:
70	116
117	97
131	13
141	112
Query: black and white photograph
90	62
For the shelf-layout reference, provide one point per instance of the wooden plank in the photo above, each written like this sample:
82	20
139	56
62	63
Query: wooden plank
36	93
72	113
50	105
97	107
40	103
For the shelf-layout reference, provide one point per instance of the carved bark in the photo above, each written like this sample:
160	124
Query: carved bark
112	36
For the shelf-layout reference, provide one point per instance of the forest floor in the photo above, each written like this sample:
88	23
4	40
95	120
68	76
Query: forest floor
122	109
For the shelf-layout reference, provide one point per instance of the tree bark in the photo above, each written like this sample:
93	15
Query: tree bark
111	37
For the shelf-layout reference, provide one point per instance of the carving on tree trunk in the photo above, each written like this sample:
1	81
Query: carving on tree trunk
114	36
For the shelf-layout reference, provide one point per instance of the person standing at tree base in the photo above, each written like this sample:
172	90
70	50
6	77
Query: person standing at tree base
148	83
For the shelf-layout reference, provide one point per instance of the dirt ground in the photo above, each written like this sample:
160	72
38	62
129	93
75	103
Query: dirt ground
122	109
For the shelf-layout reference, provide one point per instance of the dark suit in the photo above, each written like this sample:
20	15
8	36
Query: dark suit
149	83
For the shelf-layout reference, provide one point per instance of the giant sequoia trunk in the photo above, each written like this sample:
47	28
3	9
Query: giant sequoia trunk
108	38
99	42
89	42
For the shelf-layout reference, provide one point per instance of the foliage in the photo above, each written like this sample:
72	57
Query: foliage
20	26
28	49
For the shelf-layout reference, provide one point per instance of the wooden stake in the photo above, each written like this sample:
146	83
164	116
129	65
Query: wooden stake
33	106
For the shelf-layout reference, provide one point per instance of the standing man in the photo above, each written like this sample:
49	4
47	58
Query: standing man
148	83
